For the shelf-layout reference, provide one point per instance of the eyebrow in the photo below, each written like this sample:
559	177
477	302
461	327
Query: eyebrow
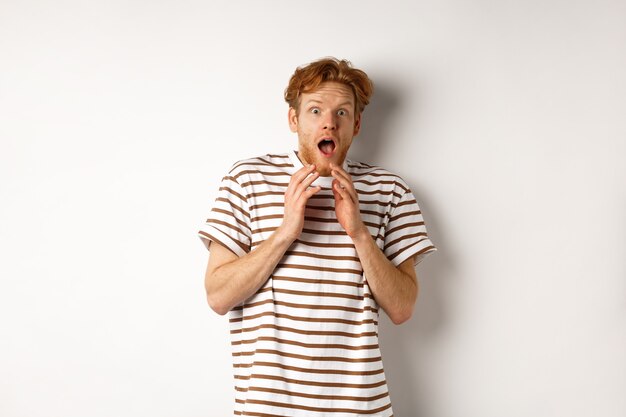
312	100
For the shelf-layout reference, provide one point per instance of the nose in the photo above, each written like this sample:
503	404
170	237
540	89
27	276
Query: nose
330	122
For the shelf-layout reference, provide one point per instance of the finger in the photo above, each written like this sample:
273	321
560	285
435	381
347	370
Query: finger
340	170
297	178
301	174
341	173
346	184
305	184
309	193
336	193
340	191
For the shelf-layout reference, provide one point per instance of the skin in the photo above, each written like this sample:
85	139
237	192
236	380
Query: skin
326	112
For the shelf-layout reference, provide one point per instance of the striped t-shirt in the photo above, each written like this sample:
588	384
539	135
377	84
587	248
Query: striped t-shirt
306	344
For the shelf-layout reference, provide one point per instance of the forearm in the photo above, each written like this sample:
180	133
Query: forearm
394	290
230	284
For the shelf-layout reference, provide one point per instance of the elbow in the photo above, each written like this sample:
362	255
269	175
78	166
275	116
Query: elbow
401	316
216	305
403	313
213	298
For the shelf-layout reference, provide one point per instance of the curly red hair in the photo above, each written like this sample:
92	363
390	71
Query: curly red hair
307	78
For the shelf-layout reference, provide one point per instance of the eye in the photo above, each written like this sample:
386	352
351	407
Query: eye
342	113
315	110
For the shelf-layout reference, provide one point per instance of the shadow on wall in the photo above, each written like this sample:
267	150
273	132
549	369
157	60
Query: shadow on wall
367	146
406	348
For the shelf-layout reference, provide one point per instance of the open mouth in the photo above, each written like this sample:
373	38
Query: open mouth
327	147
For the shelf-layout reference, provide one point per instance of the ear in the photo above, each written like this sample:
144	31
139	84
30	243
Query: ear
293	119
357	124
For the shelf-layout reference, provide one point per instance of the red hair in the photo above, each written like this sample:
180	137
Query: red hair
307	78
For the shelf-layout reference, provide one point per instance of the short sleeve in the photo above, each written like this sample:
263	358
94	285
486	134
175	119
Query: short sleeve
405	234
229	219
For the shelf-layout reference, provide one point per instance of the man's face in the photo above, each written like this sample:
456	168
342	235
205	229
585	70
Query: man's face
326	123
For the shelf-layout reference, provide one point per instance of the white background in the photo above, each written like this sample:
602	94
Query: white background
118	119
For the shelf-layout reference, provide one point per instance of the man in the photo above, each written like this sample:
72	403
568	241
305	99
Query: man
305	249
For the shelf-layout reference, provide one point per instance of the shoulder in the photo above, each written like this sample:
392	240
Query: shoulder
259	165
372	174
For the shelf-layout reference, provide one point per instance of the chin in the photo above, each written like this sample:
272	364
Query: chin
324	170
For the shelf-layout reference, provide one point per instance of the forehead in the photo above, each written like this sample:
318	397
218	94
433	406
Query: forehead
330	91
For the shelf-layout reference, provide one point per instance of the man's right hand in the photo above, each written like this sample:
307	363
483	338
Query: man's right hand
298	193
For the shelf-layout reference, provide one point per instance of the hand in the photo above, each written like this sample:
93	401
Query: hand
297	194
347	202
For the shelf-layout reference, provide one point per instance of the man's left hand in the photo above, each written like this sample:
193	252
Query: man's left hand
346	202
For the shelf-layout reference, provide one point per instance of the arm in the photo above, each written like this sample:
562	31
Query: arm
229	279
394	288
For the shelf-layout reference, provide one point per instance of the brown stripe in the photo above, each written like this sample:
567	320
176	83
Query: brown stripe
326	245
260	206
230	214
404	226
230	178
426	249
373	174
378	192
325	194
318	409
375	202
312	383
268	217
315	255
320	219
233	192
308	306
399	216
325	232
228	225
319	208
412	235
356	164
308	358
373	213
321	294
314	396
318	281
307	319
255	414
406	203
235	206
306	345
307	332
321	269
263	229
395	183
264	193
375	183
259	172
310	370
285	165
334	221
277	184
